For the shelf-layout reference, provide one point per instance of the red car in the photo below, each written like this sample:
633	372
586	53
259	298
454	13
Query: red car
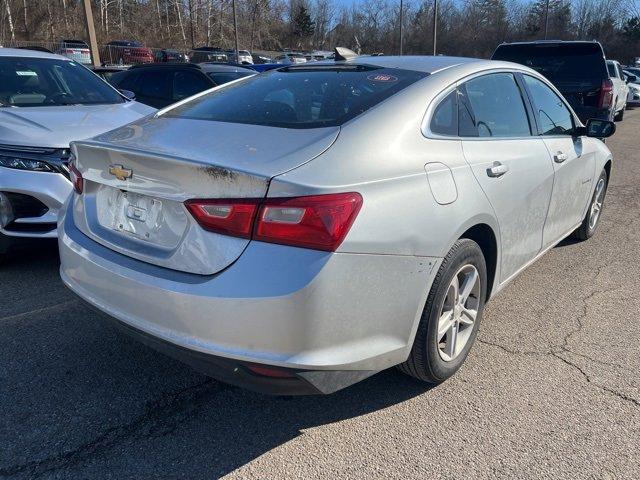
125	52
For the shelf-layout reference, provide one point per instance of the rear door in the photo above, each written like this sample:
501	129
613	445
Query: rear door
573	168
510	163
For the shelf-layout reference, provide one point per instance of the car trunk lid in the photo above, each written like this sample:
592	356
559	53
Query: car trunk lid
137	178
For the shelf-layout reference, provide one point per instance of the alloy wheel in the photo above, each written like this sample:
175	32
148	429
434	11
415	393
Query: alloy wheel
459	312
596	205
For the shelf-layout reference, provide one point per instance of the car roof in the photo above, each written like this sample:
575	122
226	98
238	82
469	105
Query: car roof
420	63
18	52
549	42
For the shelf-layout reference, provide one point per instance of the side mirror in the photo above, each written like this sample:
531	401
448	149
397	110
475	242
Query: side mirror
631	78
599	128
127	94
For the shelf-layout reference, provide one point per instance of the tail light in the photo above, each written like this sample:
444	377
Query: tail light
319	222
606	94
228	216
76	178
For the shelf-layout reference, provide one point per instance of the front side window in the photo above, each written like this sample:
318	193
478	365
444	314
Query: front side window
41	82
300	97
492	106
553	116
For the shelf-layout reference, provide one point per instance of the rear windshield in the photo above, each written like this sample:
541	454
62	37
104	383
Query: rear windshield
300	97
578	61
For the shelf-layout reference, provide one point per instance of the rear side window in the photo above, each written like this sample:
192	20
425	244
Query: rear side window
187	83
558	62
154	84
295	97
445	116
612	70
492	106
554	118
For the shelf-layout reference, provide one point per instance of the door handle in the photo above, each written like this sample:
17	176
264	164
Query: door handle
560	157
497	170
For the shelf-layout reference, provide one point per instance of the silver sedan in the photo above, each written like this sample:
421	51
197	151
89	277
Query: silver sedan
298	231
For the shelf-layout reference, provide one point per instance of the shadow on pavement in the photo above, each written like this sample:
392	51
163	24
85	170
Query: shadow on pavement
82	400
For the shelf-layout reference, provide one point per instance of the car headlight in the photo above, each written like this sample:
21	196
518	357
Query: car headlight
26	164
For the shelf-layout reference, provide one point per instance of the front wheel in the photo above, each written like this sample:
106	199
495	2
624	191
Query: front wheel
592	217
620	115
451	316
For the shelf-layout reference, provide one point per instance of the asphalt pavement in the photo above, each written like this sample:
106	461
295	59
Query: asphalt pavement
550	390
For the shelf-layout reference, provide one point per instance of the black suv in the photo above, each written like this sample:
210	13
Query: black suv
161	84
578	69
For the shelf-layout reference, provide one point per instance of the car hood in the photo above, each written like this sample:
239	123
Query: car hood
56	126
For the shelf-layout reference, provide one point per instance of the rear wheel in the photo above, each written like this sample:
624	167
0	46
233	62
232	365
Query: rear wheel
451	316
592	217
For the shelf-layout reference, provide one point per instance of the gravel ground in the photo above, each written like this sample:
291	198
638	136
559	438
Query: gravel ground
550	390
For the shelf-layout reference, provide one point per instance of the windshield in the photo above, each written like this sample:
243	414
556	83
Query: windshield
568	62
295	97
224	77
40	82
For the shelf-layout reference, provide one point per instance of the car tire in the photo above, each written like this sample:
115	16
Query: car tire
590	224
5	242
619	116
433	359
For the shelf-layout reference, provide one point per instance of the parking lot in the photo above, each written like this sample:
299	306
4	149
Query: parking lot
551	390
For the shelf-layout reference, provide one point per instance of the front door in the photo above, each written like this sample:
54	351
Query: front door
573	167
512	166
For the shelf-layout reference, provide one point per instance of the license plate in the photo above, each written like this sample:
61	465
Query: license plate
136	215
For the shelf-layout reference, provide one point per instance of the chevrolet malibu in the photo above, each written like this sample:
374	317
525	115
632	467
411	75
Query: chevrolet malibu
46	101
298	231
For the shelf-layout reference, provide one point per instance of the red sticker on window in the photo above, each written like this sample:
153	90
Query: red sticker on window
382	77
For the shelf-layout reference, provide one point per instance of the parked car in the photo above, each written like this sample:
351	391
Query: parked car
260	59
620	89
46	101
126	52
169	55
207	54
299	231
633	97
244	57
107	72
633	86
578	69
162	84
263	67
635	72
290	58
75	50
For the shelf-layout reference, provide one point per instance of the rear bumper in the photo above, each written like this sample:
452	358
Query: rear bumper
333	319
52	189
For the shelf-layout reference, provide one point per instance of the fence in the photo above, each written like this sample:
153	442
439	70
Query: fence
113	54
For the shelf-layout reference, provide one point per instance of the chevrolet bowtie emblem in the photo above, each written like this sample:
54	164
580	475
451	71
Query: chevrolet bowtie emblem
120	172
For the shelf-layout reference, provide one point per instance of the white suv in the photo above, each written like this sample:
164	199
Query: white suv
620	89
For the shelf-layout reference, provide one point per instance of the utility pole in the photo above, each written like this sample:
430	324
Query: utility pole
235	30
401	22
435	27
546	20
193	43
91	31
